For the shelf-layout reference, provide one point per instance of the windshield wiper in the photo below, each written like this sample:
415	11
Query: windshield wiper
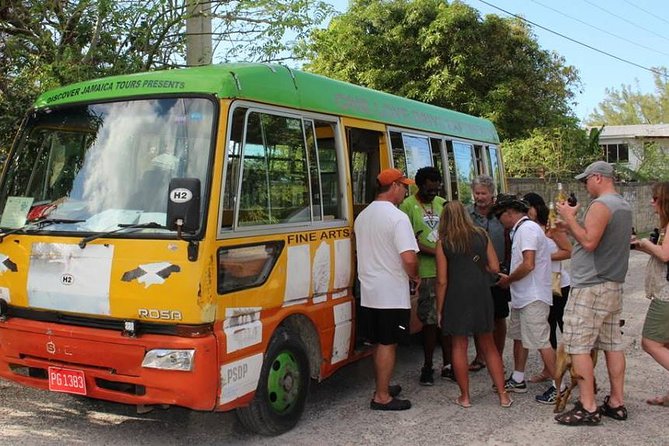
121	227
39	224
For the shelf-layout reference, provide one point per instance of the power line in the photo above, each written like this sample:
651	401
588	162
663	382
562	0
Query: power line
626	20
601	29
652	70
650	13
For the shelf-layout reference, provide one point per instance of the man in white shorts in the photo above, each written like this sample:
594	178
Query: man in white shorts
531	298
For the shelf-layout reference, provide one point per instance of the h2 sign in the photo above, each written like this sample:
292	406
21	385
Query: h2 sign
183	204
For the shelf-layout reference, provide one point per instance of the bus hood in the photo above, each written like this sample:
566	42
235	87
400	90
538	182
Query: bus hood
144	280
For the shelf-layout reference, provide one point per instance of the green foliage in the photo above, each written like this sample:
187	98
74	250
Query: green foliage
48	43
653	164
556	153
447	55
629	106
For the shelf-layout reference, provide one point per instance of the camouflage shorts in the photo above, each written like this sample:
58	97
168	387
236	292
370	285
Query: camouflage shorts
427	302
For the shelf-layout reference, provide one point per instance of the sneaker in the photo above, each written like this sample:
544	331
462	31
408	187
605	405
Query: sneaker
510	385
448	373
548	397
393	404
426	378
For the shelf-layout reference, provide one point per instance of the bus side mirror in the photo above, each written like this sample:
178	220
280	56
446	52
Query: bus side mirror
183	205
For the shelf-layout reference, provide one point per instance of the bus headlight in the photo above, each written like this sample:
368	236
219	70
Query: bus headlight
169	359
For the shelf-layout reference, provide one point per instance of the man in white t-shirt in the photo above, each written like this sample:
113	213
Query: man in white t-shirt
387	260
531	297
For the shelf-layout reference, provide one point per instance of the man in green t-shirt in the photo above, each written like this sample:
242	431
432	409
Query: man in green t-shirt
424	208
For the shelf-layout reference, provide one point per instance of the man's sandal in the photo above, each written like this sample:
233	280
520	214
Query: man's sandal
579	416
617	413
476	365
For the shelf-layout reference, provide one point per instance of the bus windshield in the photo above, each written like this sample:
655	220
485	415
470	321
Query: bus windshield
97	167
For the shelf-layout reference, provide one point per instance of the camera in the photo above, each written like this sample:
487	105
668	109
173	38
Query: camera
504	268
654	236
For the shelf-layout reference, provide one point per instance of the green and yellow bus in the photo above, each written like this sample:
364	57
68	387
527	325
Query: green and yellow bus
184	237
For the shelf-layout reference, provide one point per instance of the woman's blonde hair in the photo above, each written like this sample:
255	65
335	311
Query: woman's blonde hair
661	197
456	227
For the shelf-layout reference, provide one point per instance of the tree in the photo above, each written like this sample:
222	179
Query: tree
446	55
551	153
629	106
48	43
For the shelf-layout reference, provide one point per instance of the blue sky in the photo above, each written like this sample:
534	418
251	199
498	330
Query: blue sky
636	31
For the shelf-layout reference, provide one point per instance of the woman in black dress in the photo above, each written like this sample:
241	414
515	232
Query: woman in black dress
465	261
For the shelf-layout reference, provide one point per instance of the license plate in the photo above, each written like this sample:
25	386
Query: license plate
67	380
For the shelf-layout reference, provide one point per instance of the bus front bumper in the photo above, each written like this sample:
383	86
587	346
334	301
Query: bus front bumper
111	364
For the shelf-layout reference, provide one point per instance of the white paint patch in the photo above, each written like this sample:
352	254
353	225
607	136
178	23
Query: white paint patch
298	273
321	269
339	294
240	377
68	278
342	336
342	313
242	327
342	249
151	277
291	303
3	268
320	298
4	294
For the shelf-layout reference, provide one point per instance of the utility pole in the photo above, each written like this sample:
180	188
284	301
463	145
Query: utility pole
198	33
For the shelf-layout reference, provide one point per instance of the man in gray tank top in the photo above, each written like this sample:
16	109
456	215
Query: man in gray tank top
598	266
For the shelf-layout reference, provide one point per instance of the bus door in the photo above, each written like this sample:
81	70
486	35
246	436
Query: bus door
367	149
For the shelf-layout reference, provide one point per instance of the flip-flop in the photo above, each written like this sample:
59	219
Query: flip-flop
461	404
476	365
659	401
507	404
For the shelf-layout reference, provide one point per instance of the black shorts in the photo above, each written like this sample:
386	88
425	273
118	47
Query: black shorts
500	300
386	326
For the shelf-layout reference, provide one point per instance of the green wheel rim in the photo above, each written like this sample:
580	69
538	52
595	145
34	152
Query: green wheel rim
283	382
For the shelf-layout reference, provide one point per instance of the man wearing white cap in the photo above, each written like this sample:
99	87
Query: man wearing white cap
591	318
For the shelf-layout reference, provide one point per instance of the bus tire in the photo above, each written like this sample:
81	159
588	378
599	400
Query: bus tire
282	388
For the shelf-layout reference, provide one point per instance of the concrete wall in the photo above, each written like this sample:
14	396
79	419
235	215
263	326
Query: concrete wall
637	194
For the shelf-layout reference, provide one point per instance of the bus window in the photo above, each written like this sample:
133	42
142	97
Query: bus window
495	167
410	152
365	165
397	147
274	175
479	162
450	173
418	153
324	170
435	146
465	170
316	212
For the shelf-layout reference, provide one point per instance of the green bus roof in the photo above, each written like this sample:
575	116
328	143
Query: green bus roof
279	85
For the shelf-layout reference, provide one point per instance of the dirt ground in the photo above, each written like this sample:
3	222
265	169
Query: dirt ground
337	411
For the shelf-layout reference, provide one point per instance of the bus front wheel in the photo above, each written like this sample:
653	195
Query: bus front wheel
282	387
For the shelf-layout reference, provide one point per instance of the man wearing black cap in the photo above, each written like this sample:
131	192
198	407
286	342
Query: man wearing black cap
531	297
598	267
386	249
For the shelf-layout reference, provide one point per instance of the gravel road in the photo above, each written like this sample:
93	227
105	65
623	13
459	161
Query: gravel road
337	409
